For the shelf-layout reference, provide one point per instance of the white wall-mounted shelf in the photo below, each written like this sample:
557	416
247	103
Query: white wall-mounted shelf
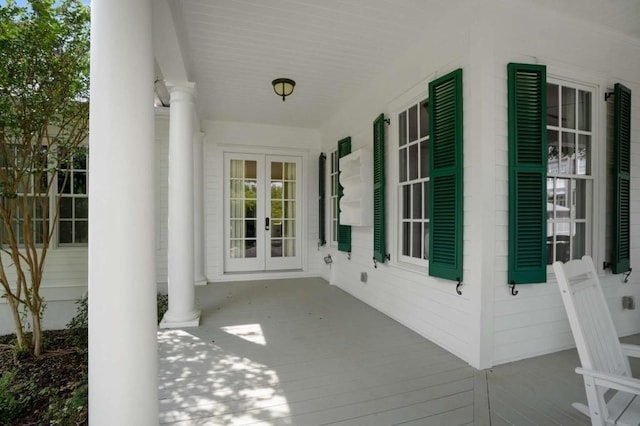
356	178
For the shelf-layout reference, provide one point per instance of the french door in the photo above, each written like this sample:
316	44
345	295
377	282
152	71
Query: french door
262	212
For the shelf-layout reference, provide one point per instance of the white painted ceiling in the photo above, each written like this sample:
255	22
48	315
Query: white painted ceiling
233	49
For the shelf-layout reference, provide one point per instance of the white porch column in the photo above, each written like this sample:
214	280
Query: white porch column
181	312
123	358
198	209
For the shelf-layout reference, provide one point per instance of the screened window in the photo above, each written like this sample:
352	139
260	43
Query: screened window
413	182
569	171
333	199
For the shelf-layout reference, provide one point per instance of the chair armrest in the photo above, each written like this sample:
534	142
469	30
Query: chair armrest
611	381
630	350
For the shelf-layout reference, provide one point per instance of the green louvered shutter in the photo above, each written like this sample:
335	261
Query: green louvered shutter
527	173
621	185
322	164
445	189
344	231
379	243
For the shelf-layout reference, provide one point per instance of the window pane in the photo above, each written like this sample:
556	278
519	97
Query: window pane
584	155
237	170
289	210
250	209
424	119
568	154
235	249
250	189
553	152
416	240
236	188
250	228
413	162
562	241
581	198
82	208
406	238
290	228
425	254
289	248
402	128
579	241
562	195
64	187
413	123
65	232
276	209
250	248
403	164
290	171
80	162
425	185
82	232
276	171
552	104
568	108
276	248
276	190
417	201
584	110
276	228
290	190
550	198
236	229
66	208
236	209
79	182
250	169
424	159
406	201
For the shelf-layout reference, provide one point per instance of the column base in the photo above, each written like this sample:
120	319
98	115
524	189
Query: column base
190	321
201	281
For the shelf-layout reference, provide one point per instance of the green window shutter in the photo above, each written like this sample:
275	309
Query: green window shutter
445	189
527	111
622	175
344	231
322	164
379	243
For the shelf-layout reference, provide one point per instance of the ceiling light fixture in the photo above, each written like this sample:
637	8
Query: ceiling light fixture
283	87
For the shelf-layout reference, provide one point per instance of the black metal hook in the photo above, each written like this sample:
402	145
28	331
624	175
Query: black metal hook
607	95
458	287
512	286
626	277
375	263
349	255
387	120
606	265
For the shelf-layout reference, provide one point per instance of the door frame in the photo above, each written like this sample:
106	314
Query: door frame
216	222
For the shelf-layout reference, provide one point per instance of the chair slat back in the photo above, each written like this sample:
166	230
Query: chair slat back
591	324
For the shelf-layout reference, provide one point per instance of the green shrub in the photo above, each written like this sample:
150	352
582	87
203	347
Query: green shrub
14	398
163	305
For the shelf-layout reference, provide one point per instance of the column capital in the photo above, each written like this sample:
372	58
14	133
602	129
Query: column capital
181	90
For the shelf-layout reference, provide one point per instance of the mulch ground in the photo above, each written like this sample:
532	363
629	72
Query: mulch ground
56	373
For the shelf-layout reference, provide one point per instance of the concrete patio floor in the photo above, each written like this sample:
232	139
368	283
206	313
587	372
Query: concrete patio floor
302	352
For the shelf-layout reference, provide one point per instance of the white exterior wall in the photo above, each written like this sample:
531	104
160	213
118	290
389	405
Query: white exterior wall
221	137
430	306
534	322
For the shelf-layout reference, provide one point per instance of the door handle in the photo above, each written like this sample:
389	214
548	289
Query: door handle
266	224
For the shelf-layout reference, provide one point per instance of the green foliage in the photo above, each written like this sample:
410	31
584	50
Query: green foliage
81	319
163	305
70	411
14	398
44	120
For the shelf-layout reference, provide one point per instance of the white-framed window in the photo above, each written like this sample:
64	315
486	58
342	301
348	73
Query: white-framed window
413	183
570	178
73	220
333	198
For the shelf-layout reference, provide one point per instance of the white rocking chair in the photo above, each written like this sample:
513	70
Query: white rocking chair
604	359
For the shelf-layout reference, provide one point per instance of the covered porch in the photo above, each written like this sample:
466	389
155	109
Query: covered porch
303	352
